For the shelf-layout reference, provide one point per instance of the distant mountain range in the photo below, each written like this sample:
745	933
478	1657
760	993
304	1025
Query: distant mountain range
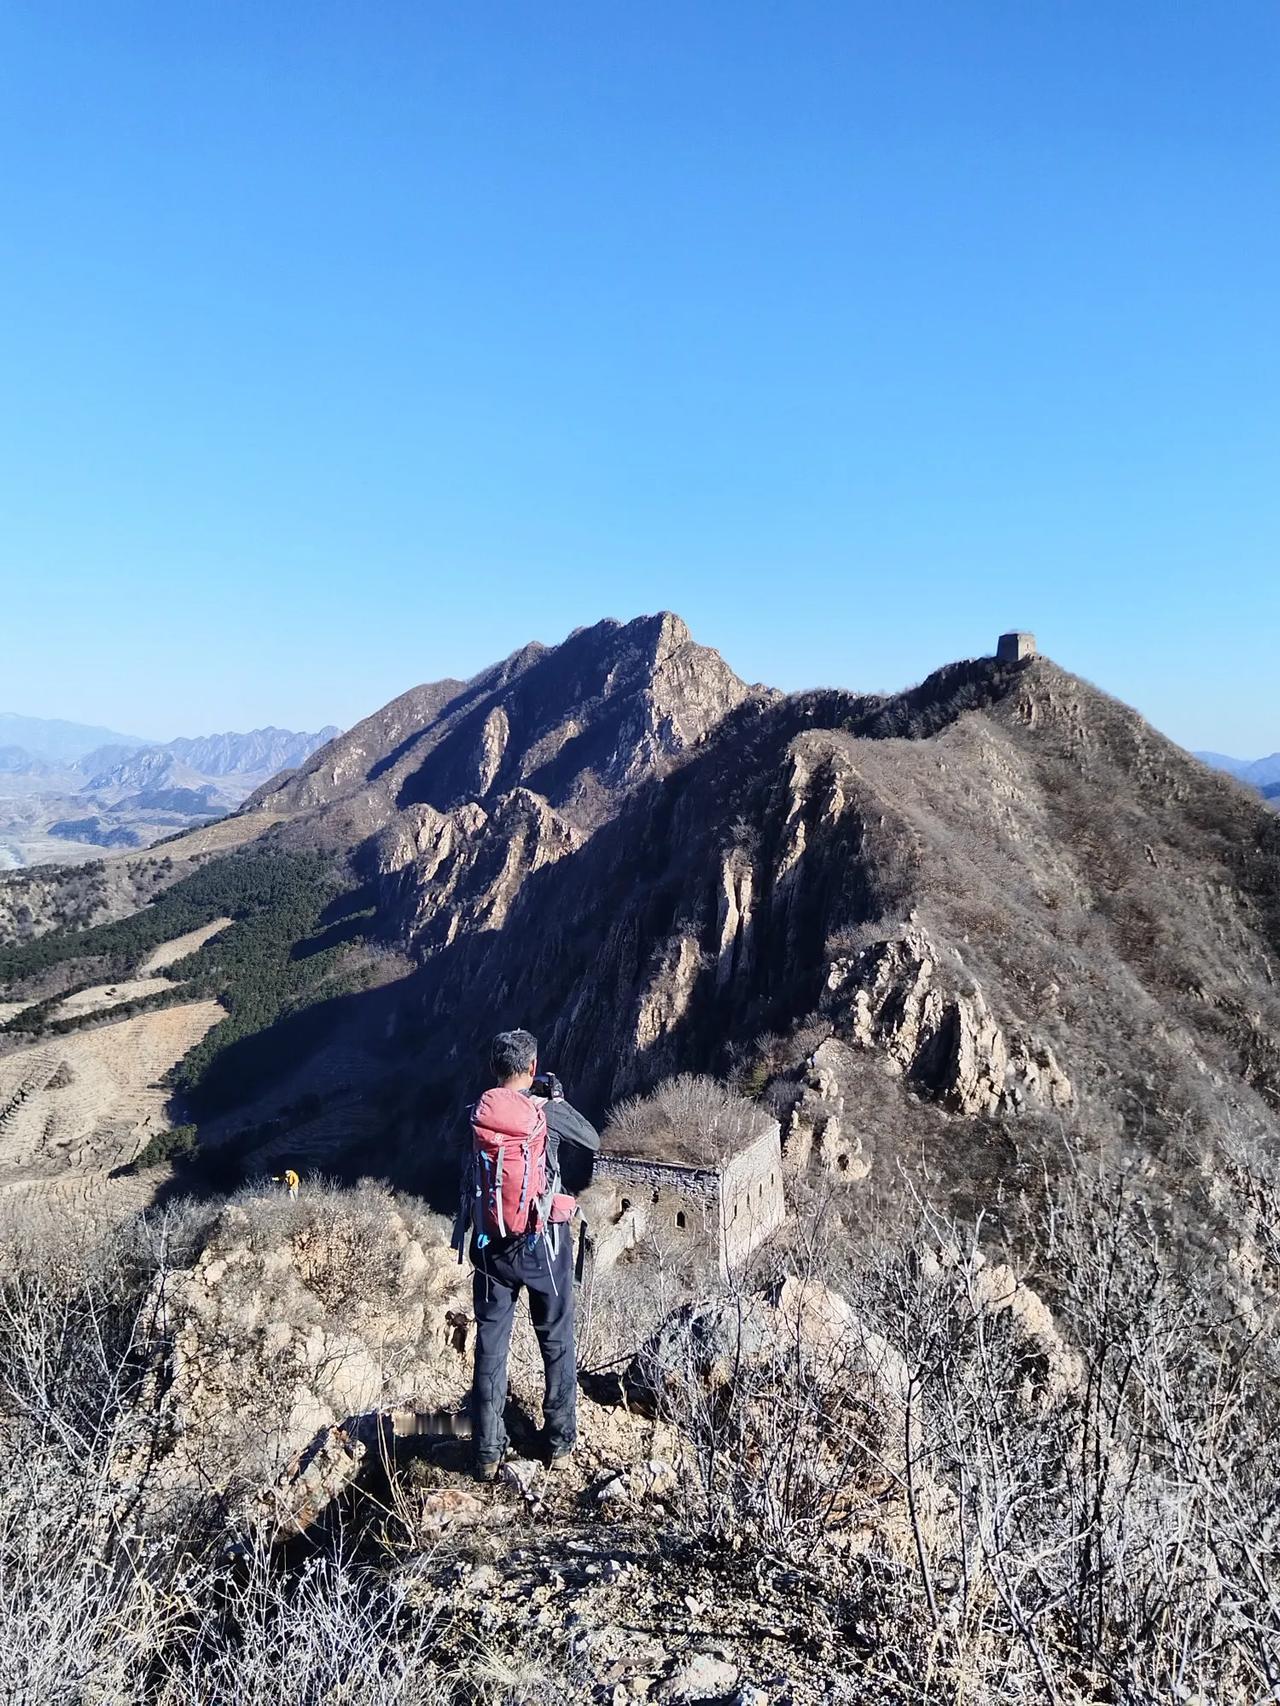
186	762
1260	773
68	789
54	742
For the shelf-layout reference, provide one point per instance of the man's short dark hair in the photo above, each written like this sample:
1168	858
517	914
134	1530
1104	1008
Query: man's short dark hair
510	1053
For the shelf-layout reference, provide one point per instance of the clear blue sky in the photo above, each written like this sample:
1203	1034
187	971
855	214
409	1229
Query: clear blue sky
349	346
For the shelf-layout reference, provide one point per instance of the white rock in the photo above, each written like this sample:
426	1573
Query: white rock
702	1677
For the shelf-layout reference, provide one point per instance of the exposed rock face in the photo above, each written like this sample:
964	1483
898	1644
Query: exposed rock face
723	1368
736	903
687	691
449	873
493	745
818	1127
1010	901
668	992
945	1040
330	1466
292	1325
610	707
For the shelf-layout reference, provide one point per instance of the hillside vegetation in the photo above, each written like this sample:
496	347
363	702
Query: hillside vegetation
276	957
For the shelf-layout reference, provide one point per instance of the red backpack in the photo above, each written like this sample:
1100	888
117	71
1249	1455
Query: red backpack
508	1190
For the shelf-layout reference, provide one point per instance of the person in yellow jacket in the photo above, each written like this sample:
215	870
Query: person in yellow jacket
290	1180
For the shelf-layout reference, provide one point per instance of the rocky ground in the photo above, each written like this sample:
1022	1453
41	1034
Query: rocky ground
897	1473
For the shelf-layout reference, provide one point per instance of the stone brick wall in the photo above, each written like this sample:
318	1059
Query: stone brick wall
734	1207
752	1204
631	1199
660	1176
1012	648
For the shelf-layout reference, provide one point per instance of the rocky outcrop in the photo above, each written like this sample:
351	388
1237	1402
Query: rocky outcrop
711	1344
941	1035
689	689
818	1129
331	1466
1049	1371
792	1384
492	749
612	706
449	873
666	997
294	1321
734	920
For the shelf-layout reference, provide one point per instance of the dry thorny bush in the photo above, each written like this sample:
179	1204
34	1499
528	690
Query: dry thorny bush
99	1604
1018	1524
973	1524
686	1104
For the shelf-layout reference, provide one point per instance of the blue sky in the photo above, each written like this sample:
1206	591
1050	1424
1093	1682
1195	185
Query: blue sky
350	346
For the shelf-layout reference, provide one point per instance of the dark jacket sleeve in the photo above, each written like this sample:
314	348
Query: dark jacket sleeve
566	1125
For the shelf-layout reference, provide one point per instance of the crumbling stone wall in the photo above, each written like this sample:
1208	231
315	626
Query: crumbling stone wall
752	1204
668	1178
733	1206
631	1199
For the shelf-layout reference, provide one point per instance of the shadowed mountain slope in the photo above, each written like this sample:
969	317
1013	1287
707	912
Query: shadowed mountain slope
573	723
961	928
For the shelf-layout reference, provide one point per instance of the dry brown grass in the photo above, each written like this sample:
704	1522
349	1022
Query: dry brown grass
966	1505
1036	1518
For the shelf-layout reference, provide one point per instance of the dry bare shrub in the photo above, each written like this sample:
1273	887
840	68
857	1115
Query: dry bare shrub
104	1604
1100	1524
685	1113
337	1235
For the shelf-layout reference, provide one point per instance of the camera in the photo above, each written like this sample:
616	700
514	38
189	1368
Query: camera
548	1086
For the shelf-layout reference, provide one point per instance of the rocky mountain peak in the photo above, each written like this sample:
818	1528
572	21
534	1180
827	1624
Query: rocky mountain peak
999	901
576	724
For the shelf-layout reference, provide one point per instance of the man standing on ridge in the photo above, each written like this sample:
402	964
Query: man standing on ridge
519	1220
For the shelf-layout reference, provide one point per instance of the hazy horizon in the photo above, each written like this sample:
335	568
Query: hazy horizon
245	726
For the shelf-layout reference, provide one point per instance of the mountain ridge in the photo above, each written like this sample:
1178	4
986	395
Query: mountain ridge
57	741
999	904
1259	773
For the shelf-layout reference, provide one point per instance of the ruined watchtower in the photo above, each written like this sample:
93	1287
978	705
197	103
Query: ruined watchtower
1014	648
726	1198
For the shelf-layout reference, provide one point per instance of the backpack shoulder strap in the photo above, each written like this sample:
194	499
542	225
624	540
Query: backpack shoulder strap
467	1188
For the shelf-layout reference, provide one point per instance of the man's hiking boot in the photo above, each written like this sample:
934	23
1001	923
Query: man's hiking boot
560	1461
488	1471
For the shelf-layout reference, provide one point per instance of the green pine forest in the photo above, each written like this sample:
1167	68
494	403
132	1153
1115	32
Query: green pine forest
296	918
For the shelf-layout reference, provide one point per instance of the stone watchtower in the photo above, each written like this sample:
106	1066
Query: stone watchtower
684	1189
1015	648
